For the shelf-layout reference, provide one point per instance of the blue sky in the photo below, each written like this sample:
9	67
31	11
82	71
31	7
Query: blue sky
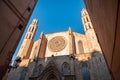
56	16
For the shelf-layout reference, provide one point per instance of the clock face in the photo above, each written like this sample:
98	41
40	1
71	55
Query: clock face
57	44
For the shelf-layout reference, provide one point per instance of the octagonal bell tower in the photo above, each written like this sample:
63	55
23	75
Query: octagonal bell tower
26	47
89	32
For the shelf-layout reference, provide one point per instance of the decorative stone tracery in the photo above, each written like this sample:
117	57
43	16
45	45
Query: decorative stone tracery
51	72
57	44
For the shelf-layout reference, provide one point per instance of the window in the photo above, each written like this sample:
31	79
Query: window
29	9
23	74
80	46
84	21
29	29
30	36
86	27
26	36
89	26
40	69
85	71
20	26
66	68
87	19
32	29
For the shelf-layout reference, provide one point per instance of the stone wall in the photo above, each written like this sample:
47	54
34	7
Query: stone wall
96	65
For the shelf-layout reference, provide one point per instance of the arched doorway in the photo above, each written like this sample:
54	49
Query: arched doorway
52	77
50	72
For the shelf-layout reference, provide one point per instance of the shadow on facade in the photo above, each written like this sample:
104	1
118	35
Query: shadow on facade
68	67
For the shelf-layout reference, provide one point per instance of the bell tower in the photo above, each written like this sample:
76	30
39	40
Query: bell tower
27	44
89	31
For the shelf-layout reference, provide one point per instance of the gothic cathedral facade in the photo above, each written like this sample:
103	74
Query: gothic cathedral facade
61	56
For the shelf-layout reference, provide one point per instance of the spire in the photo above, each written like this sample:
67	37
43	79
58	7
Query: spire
41	35
35	21
70	30
71	41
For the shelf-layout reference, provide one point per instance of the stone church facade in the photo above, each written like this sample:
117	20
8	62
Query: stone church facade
60	56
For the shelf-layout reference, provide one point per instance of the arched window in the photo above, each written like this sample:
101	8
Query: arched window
30	36
40	69
86	27
84	20
80	46
89	26
66	68
26	36
20	26
29	9
32	29
87	19
29	29
85	71
23	74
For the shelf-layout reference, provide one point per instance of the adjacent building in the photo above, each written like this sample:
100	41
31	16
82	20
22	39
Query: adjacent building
14	15
105	16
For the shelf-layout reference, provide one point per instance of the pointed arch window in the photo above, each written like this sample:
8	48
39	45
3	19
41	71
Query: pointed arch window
30	36
38	70
20	27
87	19
80	46
29	29
85	27
84	20
23	74
85	71
26	36
66	68
89	26
32	29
